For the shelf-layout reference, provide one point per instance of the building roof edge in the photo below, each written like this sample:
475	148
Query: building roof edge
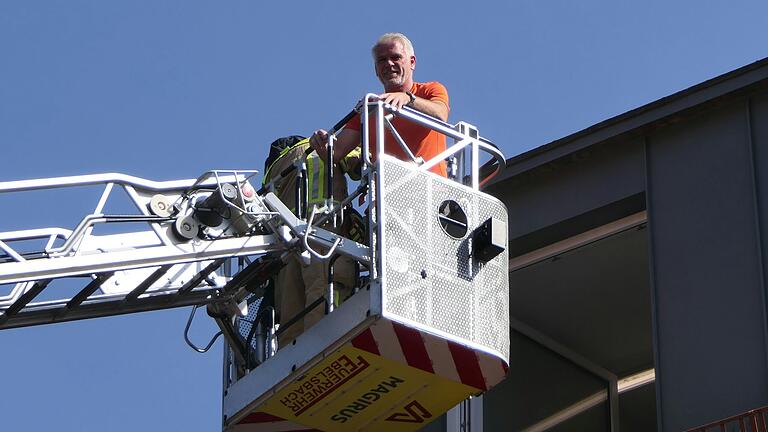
643	116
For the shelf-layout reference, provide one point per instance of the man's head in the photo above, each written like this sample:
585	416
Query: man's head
394	62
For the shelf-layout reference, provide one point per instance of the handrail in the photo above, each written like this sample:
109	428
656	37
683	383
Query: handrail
93	179
93	219
186	334
374	103
35	233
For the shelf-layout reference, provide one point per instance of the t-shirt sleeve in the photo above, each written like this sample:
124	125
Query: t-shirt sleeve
435	91
353	123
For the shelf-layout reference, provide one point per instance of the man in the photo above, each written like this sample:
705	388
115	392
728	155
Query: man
394	62
298	284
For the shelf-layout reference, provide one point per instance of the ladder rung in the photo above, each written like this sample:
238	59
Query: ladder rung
146	283
23	300
87	291
195	281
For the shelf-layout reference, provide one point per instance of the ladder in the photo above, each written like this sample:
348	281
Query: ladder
159	264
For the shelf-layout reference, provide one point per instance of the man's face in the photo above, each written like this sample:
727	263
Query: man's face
393	67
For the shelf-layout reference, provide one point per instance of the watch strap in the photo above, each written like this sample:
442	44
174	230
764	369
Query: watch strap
413	98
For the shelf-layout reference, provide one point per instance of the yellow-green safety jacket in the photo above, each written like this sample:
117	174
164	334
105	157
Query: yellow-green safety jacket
316	172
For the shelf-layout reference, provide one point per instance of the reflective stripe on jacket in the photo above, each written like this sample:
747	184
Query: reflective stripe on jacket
316	171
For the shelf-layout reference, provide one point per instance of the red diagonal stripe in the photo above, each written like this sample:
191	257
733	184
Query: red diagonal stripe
260	417
413	347
467	366
366	342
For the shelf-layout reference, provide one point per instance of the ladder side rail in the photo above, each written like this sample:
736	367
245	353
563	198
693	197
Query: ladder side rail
161	294
130	259
48	314
73	244
20	288
85	305
117	178
141	197
24	312
138	189
6	238
59	233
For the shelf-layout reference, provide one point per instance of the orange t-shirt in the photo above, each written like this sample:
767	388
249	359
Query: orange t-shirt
423	142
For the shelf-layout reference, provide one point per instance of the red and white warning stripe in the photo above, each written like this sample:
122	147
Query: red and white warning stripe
432	354
408	346
263	422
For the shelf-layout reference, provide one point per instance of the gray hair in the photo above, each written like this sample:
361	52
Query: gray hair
389	37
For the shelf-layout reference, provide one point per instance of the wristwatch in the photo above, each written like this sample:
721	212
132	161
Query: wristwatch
413	98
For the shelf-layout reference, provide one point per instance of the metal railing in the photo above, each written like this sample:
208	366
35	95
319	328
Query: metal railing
750	421
146	268
466	138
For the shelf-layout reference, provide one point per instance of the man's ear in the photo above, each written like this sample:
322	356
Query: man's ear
413	62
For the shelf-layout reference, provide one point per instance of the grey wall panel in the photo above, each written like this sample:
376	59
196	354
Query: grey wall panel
707	281
572	186
638	409
759	127
594	300
542	384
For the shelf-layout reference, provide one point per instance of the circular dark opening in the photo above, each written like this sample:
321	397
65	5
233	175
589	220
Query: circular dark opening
452	218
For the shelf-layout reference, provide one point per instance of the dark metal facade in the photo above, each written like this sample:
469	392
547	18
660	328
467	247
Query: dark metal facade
682	293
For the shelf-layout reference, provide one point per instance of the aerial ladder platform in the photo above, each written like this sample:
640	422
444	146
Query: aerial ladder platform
426	327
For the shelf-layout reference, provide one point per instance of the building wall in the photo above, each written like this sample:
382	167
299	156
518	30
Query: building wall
554	193
701	174
706	211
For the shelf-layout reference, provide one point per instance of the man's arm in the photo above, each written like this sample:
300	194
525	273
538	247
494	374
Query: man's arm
434	108
346	141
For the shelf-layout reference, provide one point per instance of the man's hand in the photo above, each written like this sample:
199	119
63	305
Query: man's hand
318	140
397	99
434	108
346	140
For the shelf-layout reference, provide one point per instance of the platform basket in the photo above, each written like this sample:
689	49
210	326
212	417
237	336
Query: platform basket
430	280
431	329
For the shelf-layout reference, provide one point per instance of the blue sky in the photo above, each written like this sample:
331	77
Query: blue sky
169	89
